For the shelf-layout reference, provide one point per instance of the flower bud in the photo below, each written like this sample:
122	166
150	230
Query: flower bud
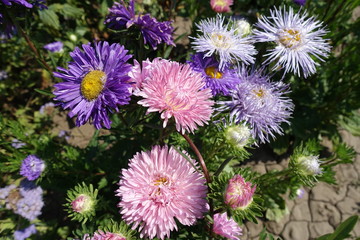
221	6
238	135
239	194
310	165
82	203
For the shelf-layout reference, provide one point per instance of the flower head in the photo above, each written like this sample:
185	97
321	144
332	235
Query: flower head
238	135
100	235
260	103
222	40
177	91
221	6
153	31
220	82
4	192
300	2
25	233
95	83
81	202
16	143
30	204
310	165
3	75
239	194
242	26
298	40
226	227
20	2
32	167
159	186
54	46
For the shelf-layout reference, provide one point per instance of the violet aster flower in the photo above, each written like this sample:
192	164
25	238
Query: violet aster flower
260	103
31	202
226	227
20	2
220	82
153	31
25	233
218	38
3	75
54	46
175	90
32	167
299	40
159	186
95	83
239	194
15	143
300	2
221	6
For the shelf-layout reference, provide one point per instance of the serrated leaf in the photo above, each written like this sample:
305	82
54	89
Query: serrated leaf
49	18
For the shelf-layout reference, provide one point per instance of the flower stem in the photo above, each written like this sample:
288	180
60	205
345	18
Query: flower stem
29	42
198	154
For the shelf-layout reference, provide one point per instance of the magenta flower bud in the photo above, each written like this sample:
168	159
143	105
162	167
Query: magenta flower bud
107	236
239	194
221	6
82	203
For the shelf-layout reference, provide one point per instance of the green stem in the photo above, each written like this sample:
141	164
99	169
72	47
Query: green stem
29	42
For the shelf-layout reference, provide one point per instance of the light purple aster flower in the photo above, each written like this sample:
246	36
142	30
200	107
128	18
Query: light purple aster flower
31	203
153	31
260	103
25	233
220	82
95	83
32	167
223	40
299	41
4	192
15	143
226	227
54	46
3	75
20	2
300	2
46	108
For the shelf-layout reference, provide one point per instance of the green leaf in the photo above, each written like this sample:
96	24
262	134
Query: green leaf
44	92
71	11
342	231
49	18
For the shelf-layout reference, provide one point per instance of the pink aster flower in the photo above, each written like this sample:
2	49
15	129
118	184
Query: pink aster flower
100	235
226	227
175	90
239	194
221	6
159	186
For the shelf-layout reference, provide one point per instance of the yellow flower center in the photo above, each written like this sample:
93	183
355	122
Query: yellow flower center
290	38
161	181
92	84
178	99
213	72
219	40
221	3
260	93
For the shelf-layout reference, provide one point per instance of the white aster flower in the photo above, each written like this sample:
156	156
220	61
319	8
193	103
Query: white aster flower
222	39
299	40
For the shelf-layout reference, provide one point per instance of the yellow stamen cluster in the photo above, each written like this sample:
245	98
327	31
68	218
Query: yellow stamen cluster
213	72
290	38
92	84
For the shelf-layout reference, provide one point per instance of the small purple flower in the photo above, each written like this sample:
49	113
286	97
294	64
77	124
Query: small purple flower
153	31
32	167
46	108
260	103
15	143
220	82
25	233
95	84
20	2
31	203
300	193
4	192
3	75
54	46
300	2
